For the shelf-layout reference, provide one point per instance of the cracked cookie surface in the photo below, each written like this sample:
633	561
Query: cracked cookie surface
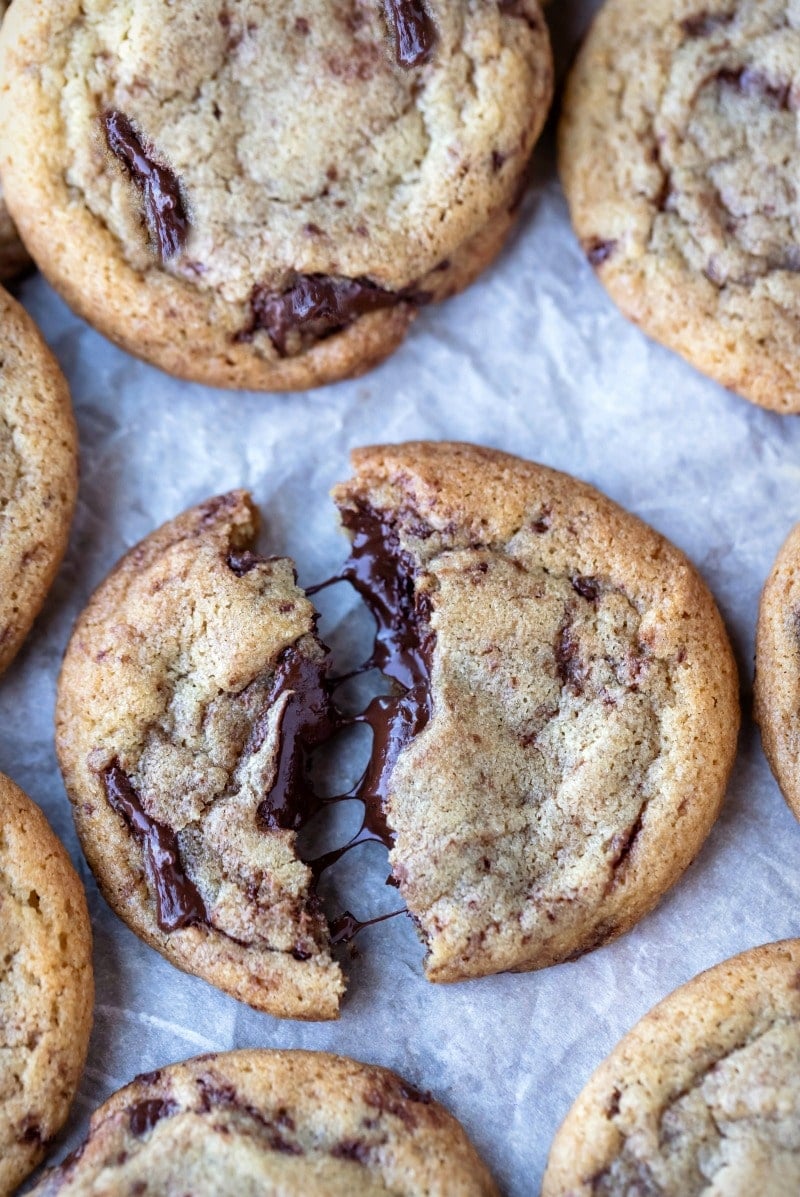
299	1123
169	736
777	682
584	708
701	1097
317	188
679	155
46	985
38	473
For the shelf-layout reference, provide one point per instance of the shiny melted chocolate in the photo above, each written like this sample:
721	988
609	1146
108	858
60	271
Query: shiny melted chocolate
178	903
146	1114
413	29
317	305
346	927
163	205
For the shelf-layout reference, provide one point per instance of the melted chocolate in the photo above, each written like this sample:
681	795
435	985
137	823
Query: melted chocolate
178	904
144	1116
414	31
703	24
308	720
347	926
318	305
758	86
163	205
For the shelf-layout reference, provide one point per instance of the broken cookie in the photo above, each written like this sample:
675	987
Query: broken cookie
551	756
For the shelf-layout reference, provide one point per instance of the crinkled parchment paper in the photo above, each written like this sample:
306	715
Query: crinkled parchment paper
533	359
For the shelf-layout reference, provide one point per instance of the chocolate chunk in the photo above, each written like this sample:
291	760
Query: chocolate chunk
243	563
317	305
216	1095
598	251
703	24
352	1149
178	903
163	206
758	86
568	662
588	588
414	31
144	1116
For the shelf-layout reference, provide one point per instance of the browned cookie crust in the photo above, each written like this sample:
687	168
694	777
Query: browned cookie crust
46	987
170	712
777	684
702	1097
38	473
301	1124
584	707
262	196
679	156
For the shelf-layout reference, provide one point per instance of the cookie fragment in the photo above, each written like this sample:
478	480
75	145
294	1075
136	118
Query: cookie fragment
702	1096
46	985
38	473
251	1122
290	251
176	737
583	706
681	181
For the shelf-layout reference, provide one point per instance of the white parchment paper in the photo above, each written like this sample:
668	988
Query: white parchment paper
534	359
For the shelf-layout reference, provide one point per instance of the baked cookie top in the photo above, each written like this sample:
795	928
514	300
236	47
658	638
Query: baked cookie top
46	986
583	705
260	195
172	702
701	1097
38	473
299	1123
777	683
679	156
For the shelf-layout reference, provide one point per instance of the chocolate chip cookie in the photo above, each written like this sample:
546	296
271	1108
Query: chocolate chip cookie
702	1096
679	157
38	473
263	196
777	684
553	750
254	1122
176	734
13	256
45	985
573	703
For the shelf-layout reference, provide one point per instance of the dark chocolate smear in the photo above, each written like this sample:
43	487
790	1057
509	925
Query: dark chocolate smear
144	1116
318	305
178	903
414	31
163	205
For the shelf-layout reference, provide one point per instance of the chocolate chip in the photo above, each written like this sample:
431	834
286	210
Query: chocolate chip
588	588
178	903
414	31
243	563
317	305
568	662
703	24
352	1149
599	251
163	205
759	86
146	1114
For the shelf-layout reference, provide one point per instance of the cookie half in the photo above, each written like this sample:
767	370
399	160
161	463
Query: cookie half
264	198
13	256
702	1096
46	985
250	1122
175	734
583	706
777	682
678	153
38	473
